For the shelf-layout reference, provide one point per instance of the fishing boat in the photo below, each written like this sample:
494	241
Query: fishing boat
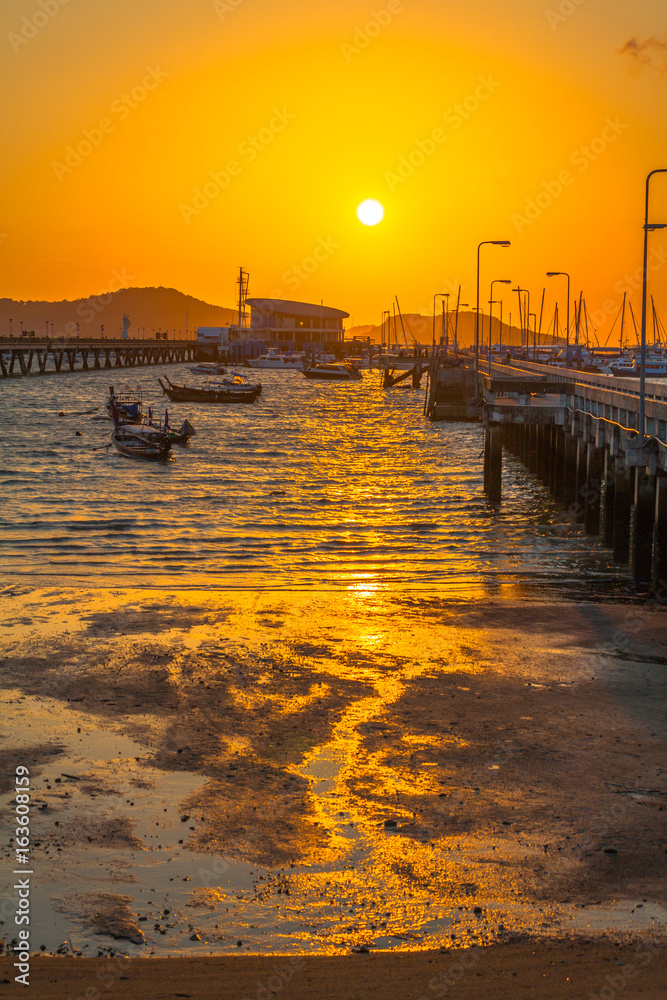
138	440
235	389
141	441
128	405
177	436
333	372
292	361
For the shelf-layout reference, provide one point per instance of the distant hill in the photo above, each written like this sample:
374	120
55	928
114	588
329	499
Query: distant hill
421	327
164	309
150	310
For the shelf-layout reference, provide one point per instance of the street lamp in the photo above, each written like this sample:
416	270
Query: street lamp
434	298
10	326
649	227
444	336
556	274
496	281
519	291
495	243
534	335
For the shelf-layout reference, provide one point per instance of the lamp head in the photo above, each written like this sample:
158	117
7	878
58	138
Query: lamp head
501	243
652	226
553	274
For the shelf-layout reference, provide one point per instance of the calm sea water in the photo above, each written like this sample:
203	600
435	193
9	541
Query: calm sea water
319	485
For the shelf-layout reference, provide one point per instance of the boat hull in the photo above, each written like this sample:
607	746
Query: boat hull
218	396
284	366
333	376
146	451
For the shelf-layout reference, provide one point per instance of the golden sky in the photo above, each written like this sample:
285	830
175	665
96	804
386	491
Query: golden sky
171	141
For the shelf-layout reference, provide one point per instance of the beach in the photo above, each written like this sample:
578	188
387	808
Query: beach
360	777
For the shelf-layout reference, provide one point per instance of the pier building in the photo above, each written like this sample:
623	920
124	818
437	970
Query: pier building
296	324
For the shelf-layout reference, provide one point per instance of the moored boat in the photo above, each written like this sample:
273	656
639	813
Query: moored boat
141	441
235	389
333	372
179	435
656	367
207	368
292	361
128	405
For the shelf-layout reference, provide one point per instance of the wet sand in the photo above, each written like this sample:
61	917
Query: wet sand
320	772
572	971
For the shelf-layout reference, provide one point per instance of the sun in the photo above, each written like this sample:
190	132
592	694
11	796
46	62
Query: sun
370	212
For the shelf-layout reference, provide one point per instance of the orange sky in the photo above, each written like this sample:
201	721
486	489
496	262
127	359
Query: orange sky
301	111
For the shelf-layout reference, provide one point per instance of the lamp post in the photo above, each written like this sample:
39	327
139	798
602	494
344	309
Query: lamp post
10	326
495	243
444	339
496	281
556	274
649	227
519	291
434	298
534	335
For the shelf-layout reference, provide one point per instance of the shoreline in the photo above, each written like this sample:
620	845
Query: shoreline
336	771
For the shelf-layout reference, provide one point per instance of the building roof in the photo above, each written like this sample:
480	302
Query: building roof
285	307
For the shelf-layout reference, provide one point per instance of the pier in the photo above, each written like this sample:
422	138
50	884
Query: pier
580	434
48	357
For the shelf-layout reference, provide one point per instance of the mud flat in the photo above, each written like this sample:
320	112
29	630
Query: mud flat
349	779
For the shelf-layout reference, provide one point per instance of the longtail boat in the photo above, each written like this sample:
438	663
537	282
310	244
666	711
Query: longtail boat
235	389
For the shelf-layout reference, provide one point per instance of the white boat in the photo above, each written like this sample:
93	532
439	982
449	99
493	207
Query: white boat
207	368
656	367
292	361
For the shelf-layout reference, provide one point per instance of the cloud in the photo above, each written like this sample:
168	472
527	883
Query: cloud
649	54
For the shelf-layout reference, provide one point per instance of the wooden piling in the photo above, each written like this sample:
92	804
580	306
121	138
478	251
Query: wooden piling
593	489
607	493
623	492
642	517
493	462
659	560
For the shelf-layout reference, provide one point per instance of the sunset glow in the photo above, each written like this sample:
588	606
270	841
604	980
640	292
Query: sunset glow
182	141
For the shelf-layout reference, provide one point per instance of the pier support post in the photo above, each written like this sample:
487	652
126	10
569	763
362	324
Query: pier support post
579	508
558	462
593	490
659	581
642	517
493	461
532	447
623	487
569	469
607	501
541	449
